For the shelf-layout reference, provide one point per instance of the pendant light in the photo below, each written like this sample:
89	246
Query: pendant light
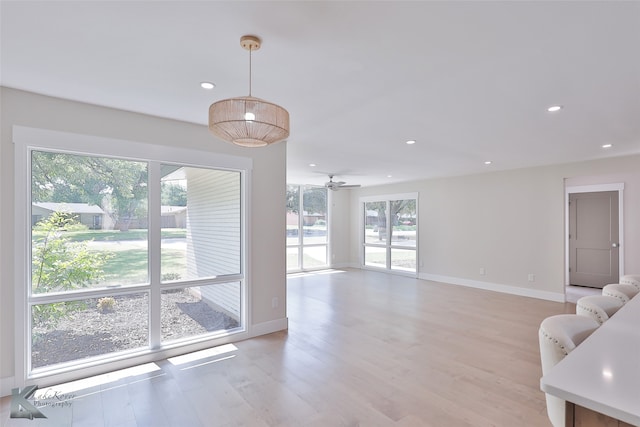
248	121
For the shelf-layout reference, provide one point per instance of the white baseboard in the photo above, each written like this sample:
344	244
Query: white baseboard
268	327
496	287
340	265
6	384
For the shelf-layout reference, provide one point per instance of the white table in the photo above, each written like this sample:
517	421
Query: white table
603	373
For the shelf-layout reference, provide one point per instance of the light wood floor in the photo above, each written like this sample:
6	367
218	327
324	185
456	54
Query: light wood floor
363	349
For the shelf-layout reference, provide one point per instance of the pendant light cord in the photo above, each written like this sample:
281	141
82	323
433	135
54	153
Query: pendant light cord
250	49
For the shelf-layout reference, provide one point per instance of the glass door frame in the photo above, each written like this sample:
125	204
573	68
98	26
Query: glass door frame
300	245
388	245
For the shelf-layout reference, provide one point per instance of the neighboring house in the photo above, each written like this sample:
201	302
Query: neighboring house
311	219
174	216
90	215
214	236
372	217
308	219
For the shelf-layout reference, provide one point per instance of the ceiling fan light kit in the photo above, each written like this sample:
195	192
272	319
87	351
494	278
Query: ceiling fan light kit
246	120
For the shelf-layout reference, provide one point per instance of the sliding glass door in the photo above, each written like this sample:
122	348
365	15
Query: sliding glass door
389	233
307	236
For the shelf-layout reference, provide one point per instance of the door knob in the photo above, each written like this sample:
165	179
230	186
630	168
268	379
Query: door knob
615	245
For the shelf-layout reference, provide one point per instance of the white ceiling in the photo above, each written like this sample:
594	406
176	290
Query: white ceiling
469	81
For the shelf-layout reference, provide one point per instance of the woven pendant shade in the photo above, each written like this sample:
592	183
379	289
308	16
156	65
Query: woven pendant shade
248	121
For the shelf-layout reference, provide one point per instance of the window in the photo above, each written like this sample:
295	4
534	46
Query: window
389	233
128	256
307	236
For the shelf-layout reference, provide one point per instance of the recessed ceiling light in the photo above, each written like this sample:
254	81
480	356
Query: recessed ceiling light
313	165
207	85
411	142
607	145
389	176
554	108
488	162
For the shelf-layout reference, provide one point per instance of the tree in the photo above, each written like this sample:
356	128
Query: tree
60	265
118	186
293	198
399	207
314	199
173	195
396	209
381	217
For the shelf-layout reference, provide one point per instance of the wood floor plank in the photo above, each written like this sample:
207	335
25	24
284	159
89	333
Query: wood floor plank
363	349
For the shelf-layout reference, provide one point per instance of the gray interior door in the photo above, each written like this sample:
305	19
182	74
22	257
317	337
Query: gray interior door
593	238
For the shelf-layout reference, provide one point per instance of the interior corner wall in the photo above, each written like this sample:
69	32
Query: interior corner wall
508	223
267	268
339	223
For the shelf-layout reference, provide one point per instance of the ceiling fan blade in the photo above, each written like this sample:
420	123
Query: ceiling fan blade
336	185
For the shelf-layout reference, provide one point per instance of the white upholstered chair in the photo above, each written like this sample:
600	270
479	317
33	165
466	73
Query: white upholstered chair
624	292
558	336
598	307
631	279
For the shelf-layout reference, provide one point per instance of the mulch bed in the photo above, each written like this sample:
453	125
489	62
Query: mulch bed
92	332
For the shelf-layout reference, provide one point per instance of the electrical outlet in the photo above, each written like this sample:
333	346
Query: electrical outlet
482	271
274	302
532	277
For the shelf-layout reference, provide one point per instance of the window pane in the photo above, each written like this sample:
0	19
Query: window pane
375	225
403	221
293	217
198	310
375	256
293	258
89	222
403	259
314	205
75	330
90	219
314	256
201	221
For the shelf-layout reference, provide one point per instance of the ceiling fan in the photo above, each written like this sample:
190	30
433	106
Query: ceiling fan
336	185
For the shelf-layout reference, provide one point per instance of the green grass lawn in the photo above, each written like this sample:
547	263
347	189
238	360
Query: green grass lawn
130	266
114	235
128	263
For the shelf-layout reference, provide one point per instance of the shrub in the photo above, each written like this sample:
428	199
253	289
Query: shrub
106	304
167	277
59	265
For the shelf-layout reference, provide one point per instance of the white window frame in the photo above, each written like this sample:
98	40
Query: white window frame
27	139
387	198
301	244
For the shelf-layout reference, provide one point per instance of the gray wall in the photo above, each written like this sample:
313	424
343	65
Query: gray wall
510	223
267	269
